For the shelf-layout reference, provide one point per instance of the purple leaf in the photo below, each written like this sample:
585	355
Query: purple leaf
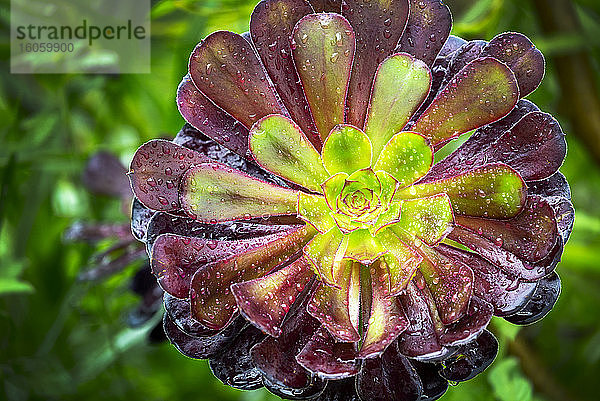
541	303
472	359
271	27
327	6
340	390
452	44
434	385
226	69
378	25
327	358
234	365
429	24
266	301
389	378
517	51
477	317
210	119
140	218
155	172
180	314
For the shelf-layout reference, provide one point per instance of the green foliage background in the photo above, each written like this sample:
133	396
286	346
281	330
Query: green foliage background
61	339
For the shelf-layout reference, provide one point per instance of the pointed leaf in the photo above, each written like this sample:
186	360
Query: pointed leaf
325	252
347	149
378	25
407	157
386	320
210	119
211	192
428	27
266	301
482	92
271	27
314	210
212	302
156	170
281	147
323	51
521	56
493	191
401	84
225	68
337	308
327	358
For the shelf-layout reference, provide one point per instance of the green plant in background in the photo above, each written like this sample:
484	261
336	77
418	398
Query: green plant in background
52	124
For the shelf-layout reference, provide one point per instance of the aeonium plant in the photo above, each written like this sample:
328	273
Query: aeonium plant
305	238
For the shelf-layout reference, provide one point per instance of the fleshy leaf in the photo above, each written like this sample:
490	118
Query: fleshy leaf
428	27
327	6
325	252
332	188
401	261
175	258
209	119
276	358
156	170
482	92
477	317
211	192
389	378
179	312
338	308
363	247
378	25
541	303
347	149
388	217
266	301
271	26
281	147
472	359
407	157
327	358
493	191
323	51
517	52
225	68
434	385
386	320
401	84
450	283
314	210
389	186
429	219
505	292
212	302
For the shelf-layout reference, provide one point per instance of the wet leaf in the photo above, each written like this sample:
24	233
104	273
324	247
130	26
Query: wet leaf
407	157
327	358
347	149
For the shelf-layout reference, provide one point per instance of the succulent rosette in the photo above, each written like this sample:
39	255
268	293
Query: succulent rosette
303	234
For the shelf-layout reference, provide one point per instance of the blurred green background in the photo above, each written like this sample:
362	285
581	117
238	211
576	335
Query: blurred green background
63	339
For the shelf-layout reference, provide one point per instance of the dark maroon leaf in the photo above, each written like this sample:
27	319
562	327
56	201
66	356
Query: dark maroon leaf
420	338
234	365
266	301
327	358
176	258
557	193
428	27
506	293
140	218
179	311
434	385
378	26
467	53
276	358
271	27
340	390
156	170
475	320
389	378
541	303
104	174
226	69
452	44
521	56
530	235
210	119
555	185
202	347
326	6
473	358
